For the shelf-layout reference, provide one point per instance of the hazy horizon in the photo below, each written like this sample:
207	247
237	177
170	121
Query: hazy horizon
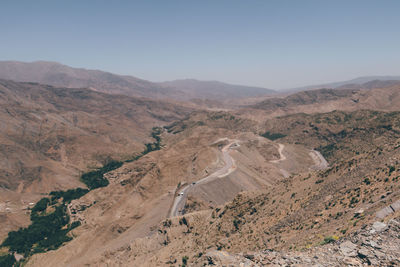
271	44
227	82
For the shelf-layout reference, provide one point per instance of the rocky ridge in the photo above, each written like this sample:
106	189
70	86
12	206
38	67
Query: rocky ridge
373	245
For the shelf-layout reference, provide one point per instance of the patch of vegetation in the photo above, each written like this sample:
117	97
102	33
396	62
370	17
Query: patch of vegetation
338	215
353	201
367	181
342	134
273	136
95	179
7	260
46	232
155	133
391	169
149	147
167	223
49	231
327	150
41	205
329	239
236	223
184	260
68	195
221	115
183	221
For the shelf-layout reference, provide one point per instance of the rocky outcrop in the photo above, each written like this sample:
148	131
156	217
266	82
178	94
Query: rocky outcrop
374	245
386	211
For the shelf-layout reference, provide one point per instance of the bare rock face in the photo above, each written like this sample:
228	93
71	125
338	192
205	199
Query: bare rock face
348	249
376	245
378	227
386	211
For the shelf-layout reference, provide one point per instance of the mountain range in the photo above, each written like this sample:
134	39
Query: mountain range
356	82
56	74
102	169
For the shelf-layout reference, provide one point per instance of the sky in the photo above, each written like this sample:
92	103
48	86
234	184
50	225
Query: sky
273	44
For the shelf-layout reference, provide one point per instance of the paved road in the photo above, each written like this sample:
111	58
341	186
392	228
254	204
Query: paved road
178	207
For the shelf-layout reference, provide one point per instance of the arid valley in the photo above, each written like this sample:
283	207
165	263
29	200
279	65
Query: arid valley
199	133
293	174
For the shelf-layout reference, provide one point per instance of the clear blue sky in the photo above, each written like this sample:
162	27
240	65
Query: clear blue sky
275	44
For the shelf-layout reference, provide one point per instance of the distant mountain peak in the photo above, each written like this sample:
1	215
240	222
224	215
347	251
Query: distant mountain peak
57	74
347	83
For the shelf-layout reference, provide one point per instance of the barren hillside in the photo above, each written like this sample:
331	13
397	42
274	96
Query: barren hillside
287	203
147	187
245	189
49	135
215	90
56	74
384	96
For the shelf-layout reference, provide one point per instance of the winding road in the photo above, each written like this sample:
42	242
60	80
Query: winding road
178	207
281	156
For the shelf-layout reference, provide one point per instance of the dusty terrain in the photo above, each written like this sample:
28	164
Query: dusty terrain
49	136
147	188
383	96
313	183
308	208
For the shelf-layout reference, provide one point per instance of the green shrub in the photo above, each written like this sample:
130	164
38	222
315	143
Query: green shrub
329	239
391	169
184	260
338	214
236	223
353	200
183	221
367	181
